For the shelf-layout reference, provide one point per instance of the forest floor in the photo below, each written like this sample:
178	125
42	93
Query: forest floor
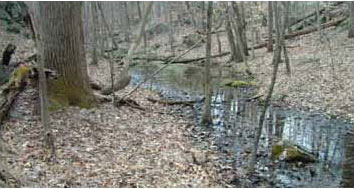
104	146
124	147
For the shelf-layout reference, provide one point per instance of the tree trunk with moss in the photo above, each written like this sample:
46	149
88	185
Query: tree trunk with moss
63	51
206	117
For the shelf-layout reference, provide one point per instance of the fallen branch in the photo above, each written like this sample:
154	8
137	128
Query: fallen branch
185	61
253	97
172	103
128	102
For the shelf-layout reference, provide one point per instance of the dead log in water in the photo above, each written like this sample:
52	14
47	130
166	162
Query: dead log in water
168	102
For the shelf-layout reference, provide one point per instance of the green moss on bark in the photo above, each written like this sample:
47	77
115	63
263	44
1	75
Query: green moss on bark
62	94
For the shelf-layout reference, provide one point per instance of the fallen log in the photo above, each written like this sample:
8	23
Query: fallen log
12	89
314	13
185	61
172	103
313	29
258	46
305	31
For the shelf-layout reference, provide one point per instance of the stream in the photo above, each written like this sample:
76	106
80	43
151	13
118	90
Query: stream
235	120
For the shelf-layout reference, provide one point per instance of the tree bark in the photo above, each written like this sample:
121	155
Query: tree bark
270	27
141	18
230	36
171	40
318	19
348	165
191	13
127	21
240	31
206	117
287	16
276	60
351	29
63	51
94	32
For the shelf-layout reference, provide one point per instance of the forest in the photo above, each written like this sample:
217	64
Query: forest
177	94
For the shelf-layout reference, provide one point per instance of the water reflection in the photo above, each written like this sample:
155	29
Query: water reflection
235	121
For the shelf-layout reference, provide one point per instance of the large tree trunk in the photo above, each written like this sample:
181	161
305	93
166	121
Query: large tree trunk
63	51
206	117
351	10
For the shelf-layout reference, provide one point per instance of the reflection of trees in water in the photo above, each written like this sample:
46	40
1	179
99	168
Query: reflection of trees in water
315	134
348	166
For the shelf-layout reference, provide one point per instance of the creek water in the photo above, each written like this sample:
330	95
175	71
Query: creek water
235	120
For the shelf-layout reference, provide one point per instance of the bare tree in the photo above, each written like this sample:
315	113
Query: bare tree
275	63
287	25
351	29
45	120
171	39
206	117
124	75
240	29
94	32
235	53
127	20
240	38
318	20
141	18
191	13
270	27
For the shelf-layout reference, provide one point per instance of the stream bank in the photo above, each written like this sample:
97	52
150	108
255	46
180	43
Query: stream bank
235	120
